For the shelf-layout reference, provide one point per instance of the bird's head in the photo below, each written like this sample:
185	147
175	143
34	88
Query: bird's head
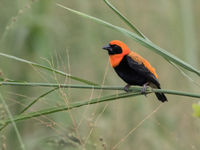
116	50
117	47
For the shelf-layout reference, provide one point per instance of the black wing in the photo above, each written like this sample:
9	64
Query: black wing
143	71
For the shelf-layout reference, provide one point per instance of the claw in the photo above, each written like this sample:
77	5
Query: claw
126	88
143	91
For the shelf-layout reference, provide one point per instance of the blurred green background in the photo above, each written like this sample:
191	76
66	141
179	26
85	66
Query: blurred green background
42	32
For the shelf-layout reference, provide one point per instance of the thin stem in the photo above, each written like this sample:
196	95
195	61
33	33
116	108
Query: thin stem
133	88
137	126
13	122
38	98
180	93
64	85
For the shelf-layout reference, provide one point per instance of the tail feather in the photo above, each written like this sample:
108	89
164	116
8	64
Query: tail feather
161	97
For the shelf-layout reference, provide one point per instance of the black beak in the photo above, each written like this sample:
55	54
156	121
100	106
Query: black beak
107	47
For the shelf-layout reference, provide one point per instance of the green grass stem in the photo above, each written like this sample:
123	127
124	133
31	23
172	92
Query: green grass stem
104	87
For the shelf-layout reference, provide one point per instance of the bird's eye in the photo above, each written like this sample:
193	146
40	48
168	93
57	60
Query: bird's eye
114	46
117	49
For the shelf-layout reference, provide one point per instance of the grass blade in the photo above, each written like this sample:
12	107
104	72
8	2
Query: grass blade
137	31
48	68
140	40
37	99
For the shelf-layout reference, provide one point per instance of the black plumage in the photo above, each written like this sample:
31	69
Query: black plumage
134	73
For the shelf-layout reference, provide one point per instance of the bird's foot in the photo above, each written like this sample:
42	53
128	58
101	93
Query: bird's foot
126	88
143	91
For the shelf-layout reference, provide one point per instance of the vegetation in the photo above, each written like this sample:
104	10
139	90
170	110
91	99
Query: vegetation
38	100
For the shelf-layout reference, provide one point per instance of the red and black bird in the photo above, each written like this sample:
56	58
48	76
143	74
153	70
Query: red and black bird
132	68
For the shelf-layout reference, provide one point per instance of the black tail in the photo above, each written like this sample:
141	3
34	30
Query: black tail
161	97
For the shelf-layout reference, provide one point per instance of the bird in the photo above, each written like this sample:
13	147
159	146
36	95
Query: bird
133	68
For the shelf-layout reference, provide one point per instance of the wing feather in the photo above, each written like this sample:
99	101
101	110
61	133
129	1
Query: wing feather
141	69
140	60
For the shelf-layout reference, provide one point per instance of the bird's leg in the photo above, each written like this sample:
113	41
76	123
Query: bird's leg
143	91
126	88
